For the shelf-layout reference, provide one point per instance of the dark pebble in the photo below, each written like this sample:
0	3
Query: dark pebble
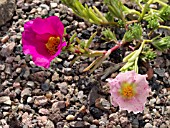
60	125
86	34
135	123
26	8
155	85
51	13
71	112
65	22
56	117
96	113
45	87
14	123
93	95
77	124
160	71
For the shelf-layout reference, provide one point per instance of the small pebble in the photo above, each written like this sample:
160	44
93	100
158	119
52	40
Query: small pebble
40	100
53	5
26	92
2	67
49	124
43	111
55	76
148	125
30	84
70	117
30	100
5	100
5	39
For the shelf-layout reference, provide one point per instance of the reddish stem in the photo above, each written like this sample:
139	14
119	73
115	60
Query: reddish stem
115	47
132	48
118	45
77	51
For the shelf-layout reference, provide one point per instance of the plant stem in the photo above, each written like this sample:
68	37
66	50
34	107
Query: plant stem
138	3
109	23
147	41
115	47
161	3
97	52
144	10
165	27
129	11
92	64
101	53
130	22
101	60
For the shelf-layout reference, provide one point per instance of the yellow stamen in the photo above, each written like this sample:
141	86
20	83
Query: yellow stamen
127	90
52	44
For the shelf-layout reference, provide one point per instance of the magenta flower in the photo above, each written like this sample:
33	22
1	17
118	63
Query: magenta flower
42	39
129	91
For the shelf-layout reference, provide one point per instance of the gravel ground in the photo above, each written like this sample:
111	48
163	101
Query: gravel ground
63	96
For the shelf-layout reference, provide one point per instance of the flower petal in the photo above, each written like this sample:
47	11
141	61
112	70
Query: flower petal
41	61
56	24
127	76
130	105
140	80
51	25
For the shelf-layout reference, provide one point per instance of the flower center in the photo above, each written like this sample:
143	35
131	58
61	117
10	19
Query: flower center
52	44
127	90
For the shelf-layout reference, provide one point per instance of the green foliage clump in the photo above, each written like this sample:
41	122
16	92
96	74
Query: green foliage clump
134	33
153	21
109	35
162	44
165	13
147	54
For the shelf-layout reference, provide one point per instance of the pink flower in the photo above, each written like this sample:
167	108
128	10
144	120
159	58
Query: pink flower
129	91
42	39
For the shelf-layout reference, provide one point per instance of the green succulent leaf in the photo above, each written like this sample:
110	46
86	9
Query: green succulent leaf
165	13
121	23
153	24
162	44
147	54
153	21
90	14
128	37
109	17
115	8
109	35
137	31
134	32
